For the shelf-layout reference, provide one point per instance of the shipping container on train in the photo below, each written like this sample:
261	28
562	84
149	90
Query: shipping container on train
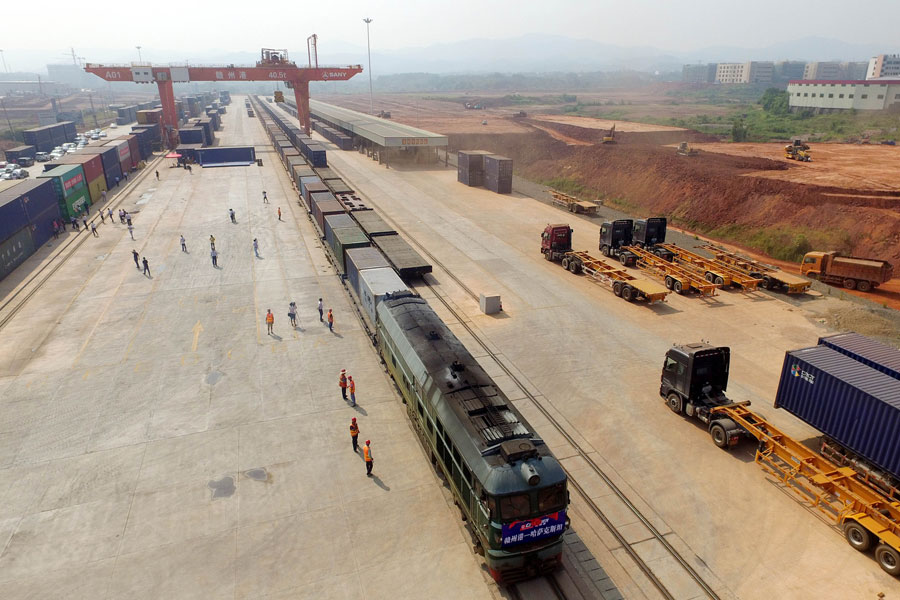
407	262
351	202
14	154
313	188
326	173
322	209
295	161
343	239
316	155
15	250
335	221
850	402
226	156
360	259
372	224
339	186
375	284
299	172
869	352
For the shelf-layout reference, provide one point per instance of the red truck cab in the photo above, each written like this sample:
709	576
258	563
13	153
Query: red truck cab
556	241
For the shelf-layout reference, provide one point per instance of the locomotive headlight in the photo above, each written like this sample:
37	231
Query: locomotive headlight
530	475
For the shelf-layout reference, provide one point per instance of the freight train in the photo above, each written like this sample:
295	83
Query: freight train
510	488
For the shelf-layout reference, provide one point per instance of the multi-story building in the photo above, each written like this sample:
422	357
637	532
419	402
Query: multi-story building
855	70
825	95
822	70
884	65
748	72
699	73
785	70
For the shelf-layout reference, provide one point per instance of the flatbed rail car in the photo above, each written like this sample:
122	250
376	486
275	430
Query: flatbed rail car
772	277
623	284
676	277
573	204
715	271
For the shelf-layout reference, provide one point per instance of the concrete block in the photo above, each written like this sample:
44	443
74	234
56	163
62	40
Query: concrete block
489	303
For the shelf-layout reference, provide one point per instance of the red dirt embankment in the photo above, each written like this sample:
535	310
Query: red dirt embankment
704	192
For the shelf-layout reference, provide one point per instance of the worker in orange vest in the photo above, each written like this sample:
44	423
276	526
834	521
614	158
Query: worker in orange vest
330	321
343	383
352	389
354	434
270	321
367	455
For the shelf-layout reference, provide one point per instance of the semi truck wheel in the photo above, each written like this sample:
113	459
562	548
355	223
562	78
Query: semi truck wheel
604	250
857	536
888	559
850	283
617	288
565	263
676	285
719	281
574	267
673	401
628	293
669	282
710	277
863	286
719	435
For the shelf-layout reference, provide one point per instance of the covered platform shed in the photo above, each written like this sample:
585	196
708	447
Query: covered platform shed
382	138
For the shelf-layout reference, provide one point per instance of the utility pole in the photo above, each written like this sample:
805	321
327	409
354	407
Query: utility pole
139	54
93	112
367	20
3	56
12	134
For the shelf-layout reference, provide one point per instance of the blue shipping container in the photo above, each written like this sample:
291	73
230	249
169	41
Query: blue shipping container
111	174
360	259
226	155
851	403
316	155
867	351
192	135
12	213
42	225
38	195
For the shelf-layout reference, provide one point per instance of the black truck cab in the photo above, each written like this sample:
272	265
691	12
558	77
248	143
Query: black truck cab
614	236
694	379
648	233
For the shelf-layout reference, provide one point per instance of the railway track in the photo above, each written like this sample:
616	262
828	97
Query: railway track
541	588
14	303
663	584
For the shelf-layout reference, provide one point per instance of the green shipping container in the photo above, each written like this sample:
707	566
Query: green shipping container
72	191
15	250
345	239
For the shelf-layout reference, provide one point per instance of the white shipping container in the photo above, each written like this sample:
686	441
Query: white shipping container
374	284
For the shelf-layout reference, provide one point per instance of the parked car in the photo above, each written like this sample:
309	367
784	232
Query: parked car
10	167
42	156
20	174
113	125
3	164
95	137
102	134
4	176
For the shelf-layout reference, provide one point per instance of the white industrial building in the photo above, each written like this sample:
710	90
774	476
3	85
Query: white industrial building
884	65
748	72
827	96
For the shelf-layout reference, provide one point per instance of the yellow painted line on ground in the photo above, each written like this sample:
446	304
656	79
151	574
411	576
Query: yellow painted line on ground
197	329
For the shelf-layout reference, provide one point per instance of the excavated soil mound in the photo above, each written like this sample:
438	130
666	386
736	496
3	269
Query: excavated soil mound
705	192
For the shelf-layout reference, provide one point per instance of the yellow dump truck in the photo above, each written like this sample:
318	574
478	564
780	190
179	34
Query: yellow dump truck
852	272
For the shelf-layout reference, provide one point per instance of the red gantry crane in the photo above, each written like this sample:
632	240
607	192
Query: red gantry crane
273	65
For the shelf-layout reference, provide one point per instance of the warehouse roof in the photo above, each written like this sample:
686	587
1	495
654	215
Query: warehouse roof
380	131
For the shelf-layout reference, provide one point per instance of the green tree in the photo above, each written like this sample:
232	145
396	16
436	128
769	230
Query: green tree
775	101
738	131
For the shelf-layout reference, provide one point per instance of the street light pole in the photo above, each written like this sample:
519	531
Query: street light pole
3	56
139	54
369	47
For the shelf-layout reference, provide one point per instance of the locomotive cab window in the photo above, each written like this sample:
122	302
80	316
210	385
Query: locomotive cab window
552	498
516	506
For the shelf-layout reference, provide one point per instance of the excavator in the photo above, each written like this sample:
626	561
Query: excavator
799	150
611	138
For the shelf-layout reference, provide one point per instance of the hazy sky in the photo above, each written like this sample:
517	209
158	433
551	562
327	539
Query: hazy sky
199	29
